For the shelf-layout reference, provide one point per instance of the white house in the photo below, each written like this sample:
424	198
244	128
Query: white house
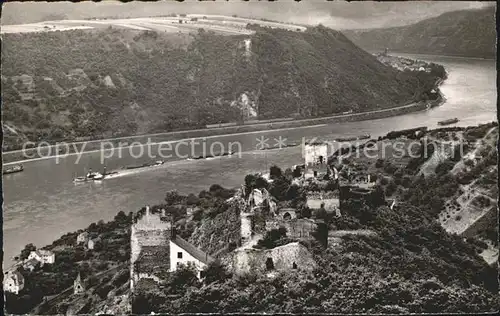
315	153
91	243
13	282
82	238
44	256
183	253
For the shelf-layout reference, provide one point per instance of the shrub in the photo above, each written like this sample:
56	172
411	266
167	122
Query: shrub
215	272
275	172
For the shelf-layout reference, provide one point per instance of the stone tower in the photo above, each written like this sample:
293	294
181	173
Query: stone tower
151	230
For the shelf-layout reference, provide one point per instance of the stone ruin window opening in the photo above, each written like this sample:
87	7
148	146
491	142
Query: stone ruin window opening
294	266
287	216
269	264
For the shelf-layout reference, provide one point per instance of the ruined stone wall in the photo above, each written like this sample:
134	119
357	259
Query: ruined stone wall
330	204
246	228
295	228
284	257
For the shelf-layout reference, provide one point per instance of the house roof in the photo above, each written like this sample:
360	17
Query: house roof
31	262
42	252
192	250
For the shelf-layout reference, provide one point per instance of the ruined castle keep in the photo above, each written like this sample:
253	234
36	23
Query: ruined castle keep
149	241
250	207
292	256
156	250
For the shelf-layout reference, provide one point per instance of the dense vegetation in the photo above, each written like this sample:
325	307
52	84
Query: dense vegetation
409	265
112	251
468	33
109	82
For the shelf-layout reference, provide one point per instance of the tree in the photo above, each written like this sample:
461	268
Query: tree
390	188
192	199
172	197
275	172
214	272
143	303
182	278
26	251
271	238
254	182
121	218
379	163
297	172
279	188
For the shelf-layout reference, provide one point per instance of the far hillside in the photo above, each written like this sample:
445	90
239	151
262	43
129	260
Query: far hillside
107	82
467	33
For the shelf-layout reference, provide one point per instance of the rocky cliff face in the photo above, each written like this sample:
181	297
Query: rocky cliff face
83	84
469	33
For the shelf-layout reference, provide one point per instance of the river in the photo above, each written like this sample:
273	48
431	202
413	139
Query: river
42	203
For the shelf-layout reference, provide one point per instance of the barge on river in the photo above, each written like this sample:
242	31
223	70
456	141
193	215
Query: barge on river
448	122
349	139
13	169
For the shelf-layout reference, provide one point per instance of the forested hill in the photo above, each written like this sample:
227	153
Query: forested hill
468	33
114	82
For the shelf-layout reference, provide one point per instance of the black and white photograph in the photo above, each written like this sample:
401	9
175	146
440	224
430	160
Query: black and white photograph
236	157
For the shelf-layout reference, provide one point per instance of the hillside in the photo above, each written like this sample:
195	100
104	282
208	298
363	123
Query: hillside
114	82
104	271
468	33
401	259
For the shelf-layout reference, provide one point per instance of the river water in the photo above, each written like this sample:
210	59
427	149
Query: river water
42	203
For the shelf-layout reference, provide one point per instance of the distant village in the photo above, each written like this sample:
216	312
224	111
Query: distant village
401	63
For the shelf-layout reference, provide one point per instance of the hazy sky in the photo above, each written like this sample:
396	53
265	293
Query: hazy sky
335	14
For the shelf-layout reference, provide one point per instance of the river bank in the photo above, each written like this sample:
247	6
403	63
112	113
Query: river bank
126	142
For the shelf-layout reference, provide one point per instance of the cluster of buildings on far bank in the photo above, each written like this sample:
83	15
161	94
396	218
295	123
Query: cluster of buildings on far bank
401	63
